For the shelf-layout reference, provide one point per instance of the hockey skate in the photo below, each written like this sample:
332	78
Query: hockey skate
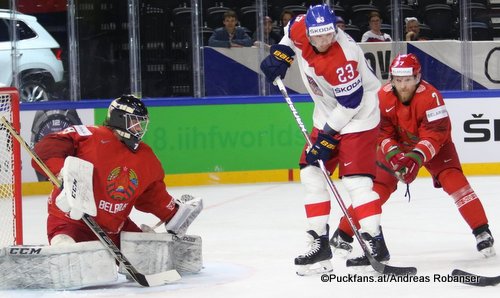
378	250
318	254
341	243
484	241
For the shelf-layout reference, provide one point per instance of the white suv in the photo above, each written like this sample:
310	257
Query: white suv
39	64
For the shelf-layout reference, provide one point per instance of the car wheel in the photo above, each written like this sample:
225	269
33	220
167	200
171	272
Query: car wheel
33	88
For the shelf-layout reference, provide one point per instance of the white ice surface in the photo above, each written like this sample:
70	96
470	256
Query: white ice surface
252	232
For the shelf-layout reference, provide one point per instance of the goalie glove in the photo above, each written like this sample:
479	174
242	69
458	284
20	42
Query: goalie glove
77	194
188	209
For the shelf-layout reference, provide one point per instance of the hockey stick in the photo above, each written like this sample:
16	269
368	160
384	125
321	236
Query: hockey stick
388	170
378	266
476	280
144	280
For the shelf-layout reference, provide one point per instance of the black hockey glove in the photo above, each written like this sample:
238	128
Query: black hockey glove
322	148
278	62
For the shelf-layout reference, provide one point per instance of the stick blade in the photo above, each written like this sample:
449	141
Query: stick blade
392	270
162	278
476	280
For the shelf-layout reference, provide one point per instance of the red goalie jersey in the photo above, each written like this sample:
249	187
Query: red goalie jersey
122	179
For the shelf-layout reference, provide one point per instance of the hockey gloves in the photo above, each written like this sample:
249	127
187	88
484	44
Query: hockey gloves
278	62
322	148
405	166
77	194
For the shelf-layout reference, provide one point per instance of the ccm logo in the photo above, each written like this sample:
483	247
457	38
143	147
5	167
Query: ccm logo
25	250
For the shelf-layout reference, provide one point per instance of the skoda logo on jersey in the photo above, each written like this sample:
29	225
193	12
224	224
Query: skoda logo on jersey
318	30
348	88
122	183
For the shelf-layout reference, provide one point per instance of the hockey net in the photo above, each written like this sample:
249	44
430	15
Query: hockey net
10	172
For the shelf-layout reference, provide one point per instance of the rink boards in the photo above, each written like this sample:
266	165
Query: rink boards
221	140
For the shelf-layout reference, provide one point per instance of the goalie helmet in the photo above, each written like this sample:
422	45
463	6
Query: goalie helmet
128	117
320	19
405	65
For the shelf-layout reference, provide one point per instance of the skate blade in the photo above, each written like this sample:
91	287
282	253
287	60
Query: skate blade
362	270
488	252
316	268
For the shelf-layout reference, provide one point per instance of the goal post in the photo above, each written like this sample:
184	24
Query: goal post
11	232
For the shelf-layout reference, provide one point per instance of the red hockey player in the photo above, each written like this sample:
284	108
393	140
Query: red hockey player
415	132
126	174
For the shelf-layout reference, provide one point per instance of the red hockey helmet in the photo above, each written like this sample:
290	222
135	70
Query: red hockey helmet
405	65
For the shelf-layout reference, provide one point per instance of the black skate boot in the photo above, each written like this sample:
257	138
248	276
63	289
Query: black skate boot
378	250
319	253
341	243
484	240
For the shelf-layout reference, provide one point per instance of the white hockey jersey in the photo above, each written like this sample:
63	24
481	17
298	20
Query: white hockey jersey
340	82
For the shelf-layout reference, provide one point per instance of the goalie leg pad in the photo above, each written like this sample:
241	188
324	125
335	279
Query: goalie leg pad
152	253
71	266
188	254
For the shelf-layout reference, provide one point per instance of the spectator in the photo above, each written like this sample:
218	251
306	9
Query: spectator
285	17
340	23
412	29
270	37
375	34
230	36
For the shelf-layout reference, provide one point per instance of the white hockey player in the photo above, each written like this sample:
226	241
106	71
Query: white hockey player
346	122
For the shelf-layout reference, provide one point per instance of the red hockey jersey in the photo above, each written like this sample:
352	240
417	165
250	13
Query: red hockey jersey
122	179
423	125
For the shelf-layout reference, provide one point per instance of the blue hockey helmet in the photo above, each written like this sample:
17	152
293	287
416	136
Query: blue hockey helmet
320	19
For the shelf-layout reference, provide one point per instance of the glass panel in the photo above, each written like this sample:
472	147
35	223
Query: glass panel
39	42
169	63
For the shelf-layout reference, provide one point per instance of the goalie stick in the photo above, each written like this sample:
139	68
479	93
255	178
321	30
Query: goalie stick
477	280
150	280
378	266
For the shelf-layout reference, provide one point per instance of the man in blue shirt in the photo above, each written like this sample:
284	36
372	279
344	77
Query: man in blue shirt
230	35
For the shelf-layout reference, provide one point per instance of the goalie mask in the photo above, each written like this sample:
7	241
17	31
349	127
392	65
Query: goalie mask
128	117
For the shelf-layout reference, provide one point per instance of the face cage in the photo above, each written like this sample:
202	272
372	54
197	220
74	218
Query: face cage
136	125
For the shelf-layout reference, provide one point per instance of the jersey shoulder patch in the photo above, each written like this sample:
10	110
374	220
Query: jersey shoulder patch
82	130
437	113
